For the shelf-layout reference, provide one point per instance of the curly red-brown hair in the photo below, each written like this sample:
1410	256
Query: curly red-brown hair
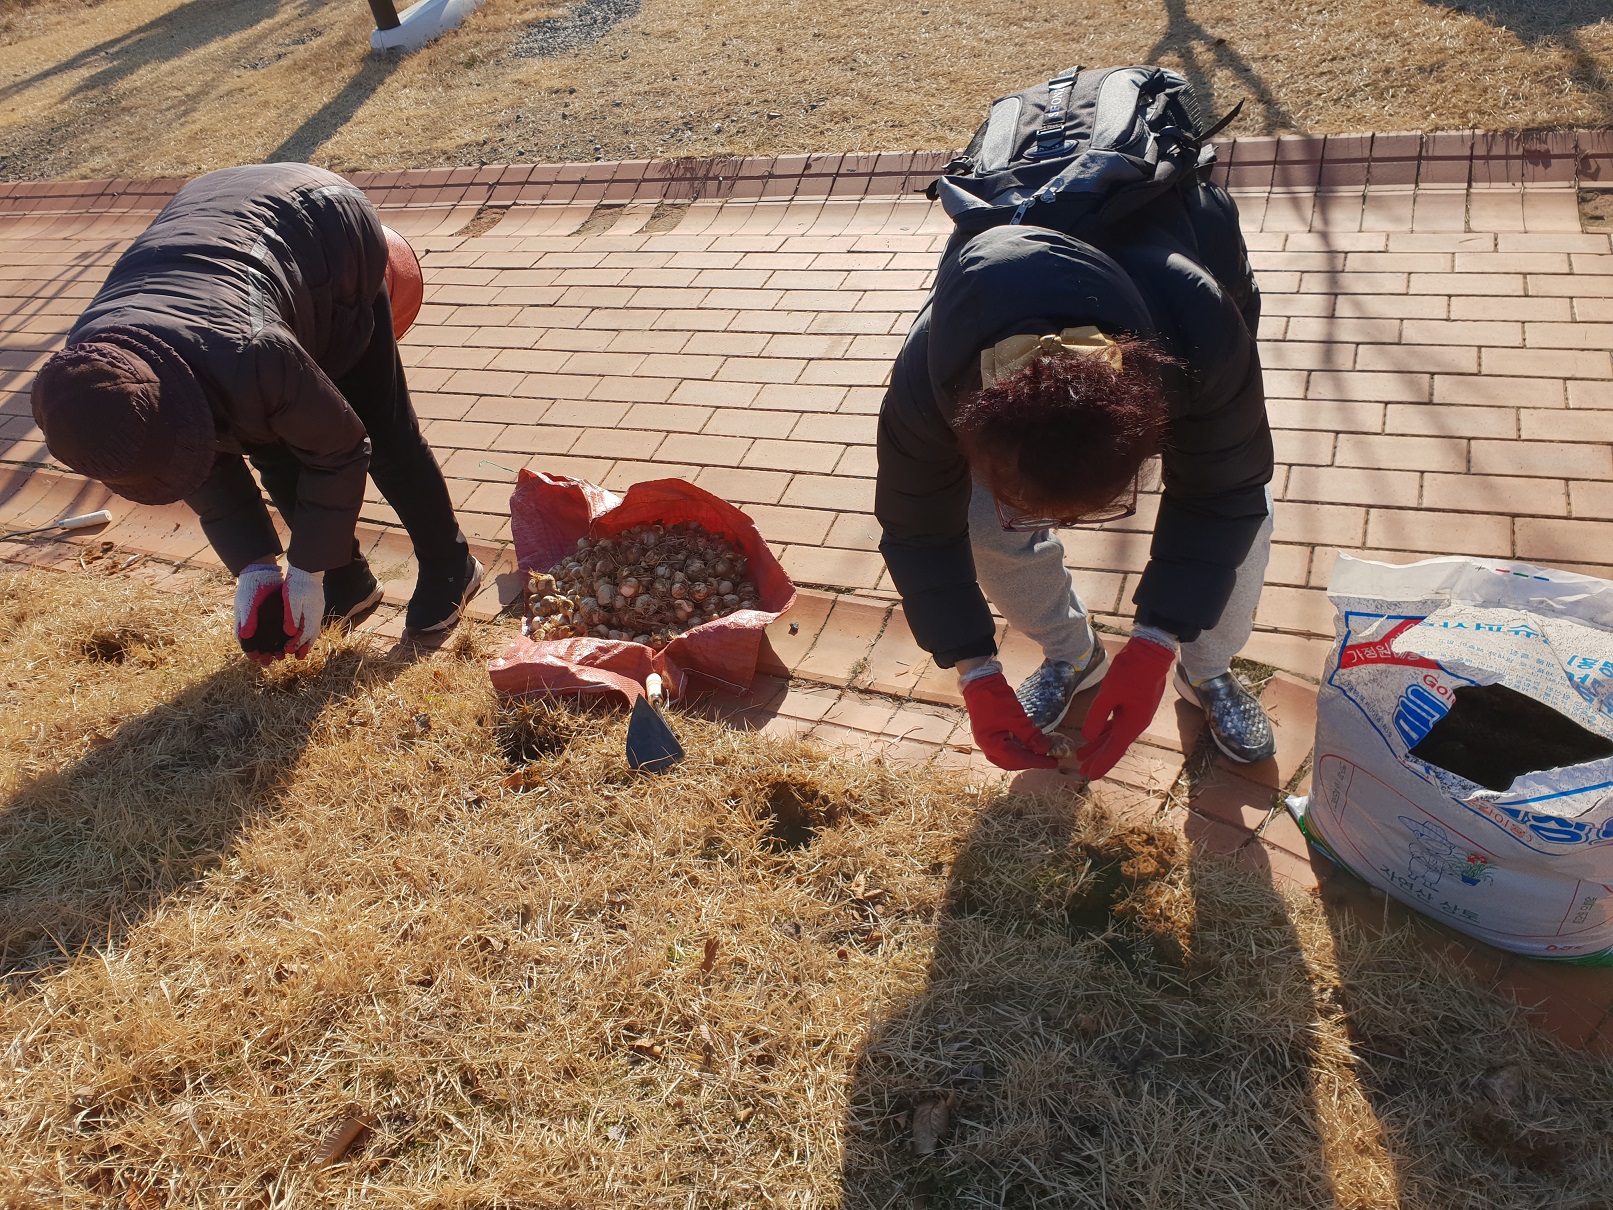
1067	435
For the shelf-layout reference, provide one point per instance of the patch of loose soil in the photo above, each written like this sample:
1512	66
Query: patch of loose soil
796	810
1493	735
171	87
114	644
1126	884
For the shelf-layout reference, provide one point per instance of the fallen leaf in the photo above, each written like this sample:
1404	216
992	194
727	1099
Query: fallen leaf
422	723
744	1115
930	1122
350	1130
710	960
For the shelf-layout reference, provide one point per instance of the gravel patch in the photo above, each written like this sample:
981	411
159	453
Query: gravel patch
580	26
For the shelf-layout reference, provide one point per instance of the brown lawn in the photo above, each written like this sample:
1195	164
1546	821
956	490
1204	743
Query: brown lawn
146	87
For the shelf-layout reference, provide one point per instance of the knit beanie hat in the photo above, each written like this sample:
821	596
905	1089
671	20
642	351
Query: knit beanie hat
125	408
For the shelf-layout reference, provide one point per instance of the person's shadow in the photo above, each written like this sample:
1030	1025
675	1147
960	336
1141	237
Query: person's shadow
1209	1042
1087	1063
90	850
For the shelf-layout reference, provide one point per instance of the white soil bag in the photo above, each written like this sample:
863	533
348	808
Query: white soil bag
1464	748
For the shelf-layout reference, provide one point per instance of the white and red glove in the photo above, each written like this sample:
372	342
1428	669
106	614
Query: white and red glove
255	585
1127	699
304	609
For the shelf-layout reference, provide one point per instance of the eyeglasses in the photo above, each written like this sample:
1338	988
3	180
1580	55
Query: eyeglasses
1017	522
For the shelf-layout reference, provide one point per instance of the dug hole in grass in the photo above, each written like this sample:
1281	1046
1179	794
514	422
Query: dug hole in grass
350	932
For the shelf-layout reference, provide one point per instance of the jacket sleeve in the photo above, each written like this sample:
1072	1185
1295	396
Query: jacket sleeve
233	515
1222	249
1217	462
304	410
921	499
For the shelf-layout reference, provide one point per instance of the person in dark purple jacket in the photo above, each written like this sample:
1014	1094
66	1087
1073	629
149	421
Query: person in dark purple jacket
251	323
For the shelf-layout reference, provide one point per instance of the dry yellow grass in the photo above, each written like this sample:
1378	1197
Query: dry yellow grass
153	87
303	939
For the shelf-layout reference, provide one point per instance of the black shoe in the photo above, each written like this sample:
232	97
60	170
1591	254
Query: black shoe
1238	723
349	592
440	598
1047	693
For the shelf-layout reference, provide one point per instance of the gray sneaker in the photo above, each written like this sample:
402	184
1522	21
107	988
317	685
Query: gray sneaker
1238	723
1047	693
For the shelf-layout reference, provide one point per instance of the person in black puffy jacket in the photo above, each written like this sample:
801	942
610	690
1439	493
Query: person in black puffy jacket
251	323
1037	384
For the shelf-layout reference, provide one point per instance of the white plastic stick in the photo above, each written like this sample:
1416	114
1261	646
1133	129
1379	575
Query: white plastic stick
100	517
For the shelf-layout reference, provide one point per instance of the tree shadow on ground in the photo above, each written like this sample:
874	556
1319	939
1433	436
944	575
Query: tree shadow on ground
1532	20
1559	23
88	851
168	36
1474	1105
321	125
1198	51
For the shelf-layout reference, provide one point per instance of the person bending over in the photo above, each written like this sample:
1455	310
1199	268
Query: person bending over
1041	377
251	322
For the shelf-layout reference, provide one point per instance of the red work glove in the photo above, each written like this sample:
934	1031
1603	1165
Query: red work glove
1125	704
1000	725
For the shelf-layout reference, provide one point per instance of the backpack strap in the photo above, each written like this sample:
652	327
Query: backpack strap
1227	120
1050	137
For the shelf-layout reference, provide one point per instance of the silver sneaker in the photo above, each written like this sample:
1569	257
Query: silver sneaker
1047	693
1238	723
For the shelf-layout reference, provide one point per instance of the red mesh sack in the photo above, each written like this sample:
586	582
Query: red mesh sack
548	513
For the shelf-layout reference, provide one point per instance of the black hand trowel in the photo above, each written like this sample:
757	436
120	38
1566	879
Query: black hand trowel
651	746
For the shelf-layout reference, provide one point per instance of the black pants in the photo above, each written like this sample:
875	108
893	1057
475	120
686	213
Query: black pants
401	463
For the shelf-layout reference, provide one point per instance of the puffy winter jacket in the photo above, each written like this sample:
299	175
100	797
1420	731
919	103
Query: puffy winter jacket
264	279
1178	273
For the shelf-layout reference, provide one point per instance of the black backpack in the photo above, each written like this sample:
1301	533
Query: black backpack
1079	151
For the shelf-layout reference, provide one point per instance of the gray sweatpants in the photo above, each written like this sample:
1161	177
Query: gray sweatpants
1024	576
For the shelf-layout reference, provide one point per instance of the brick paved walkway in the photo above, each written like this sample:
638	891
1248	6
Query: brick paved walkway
1437	333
